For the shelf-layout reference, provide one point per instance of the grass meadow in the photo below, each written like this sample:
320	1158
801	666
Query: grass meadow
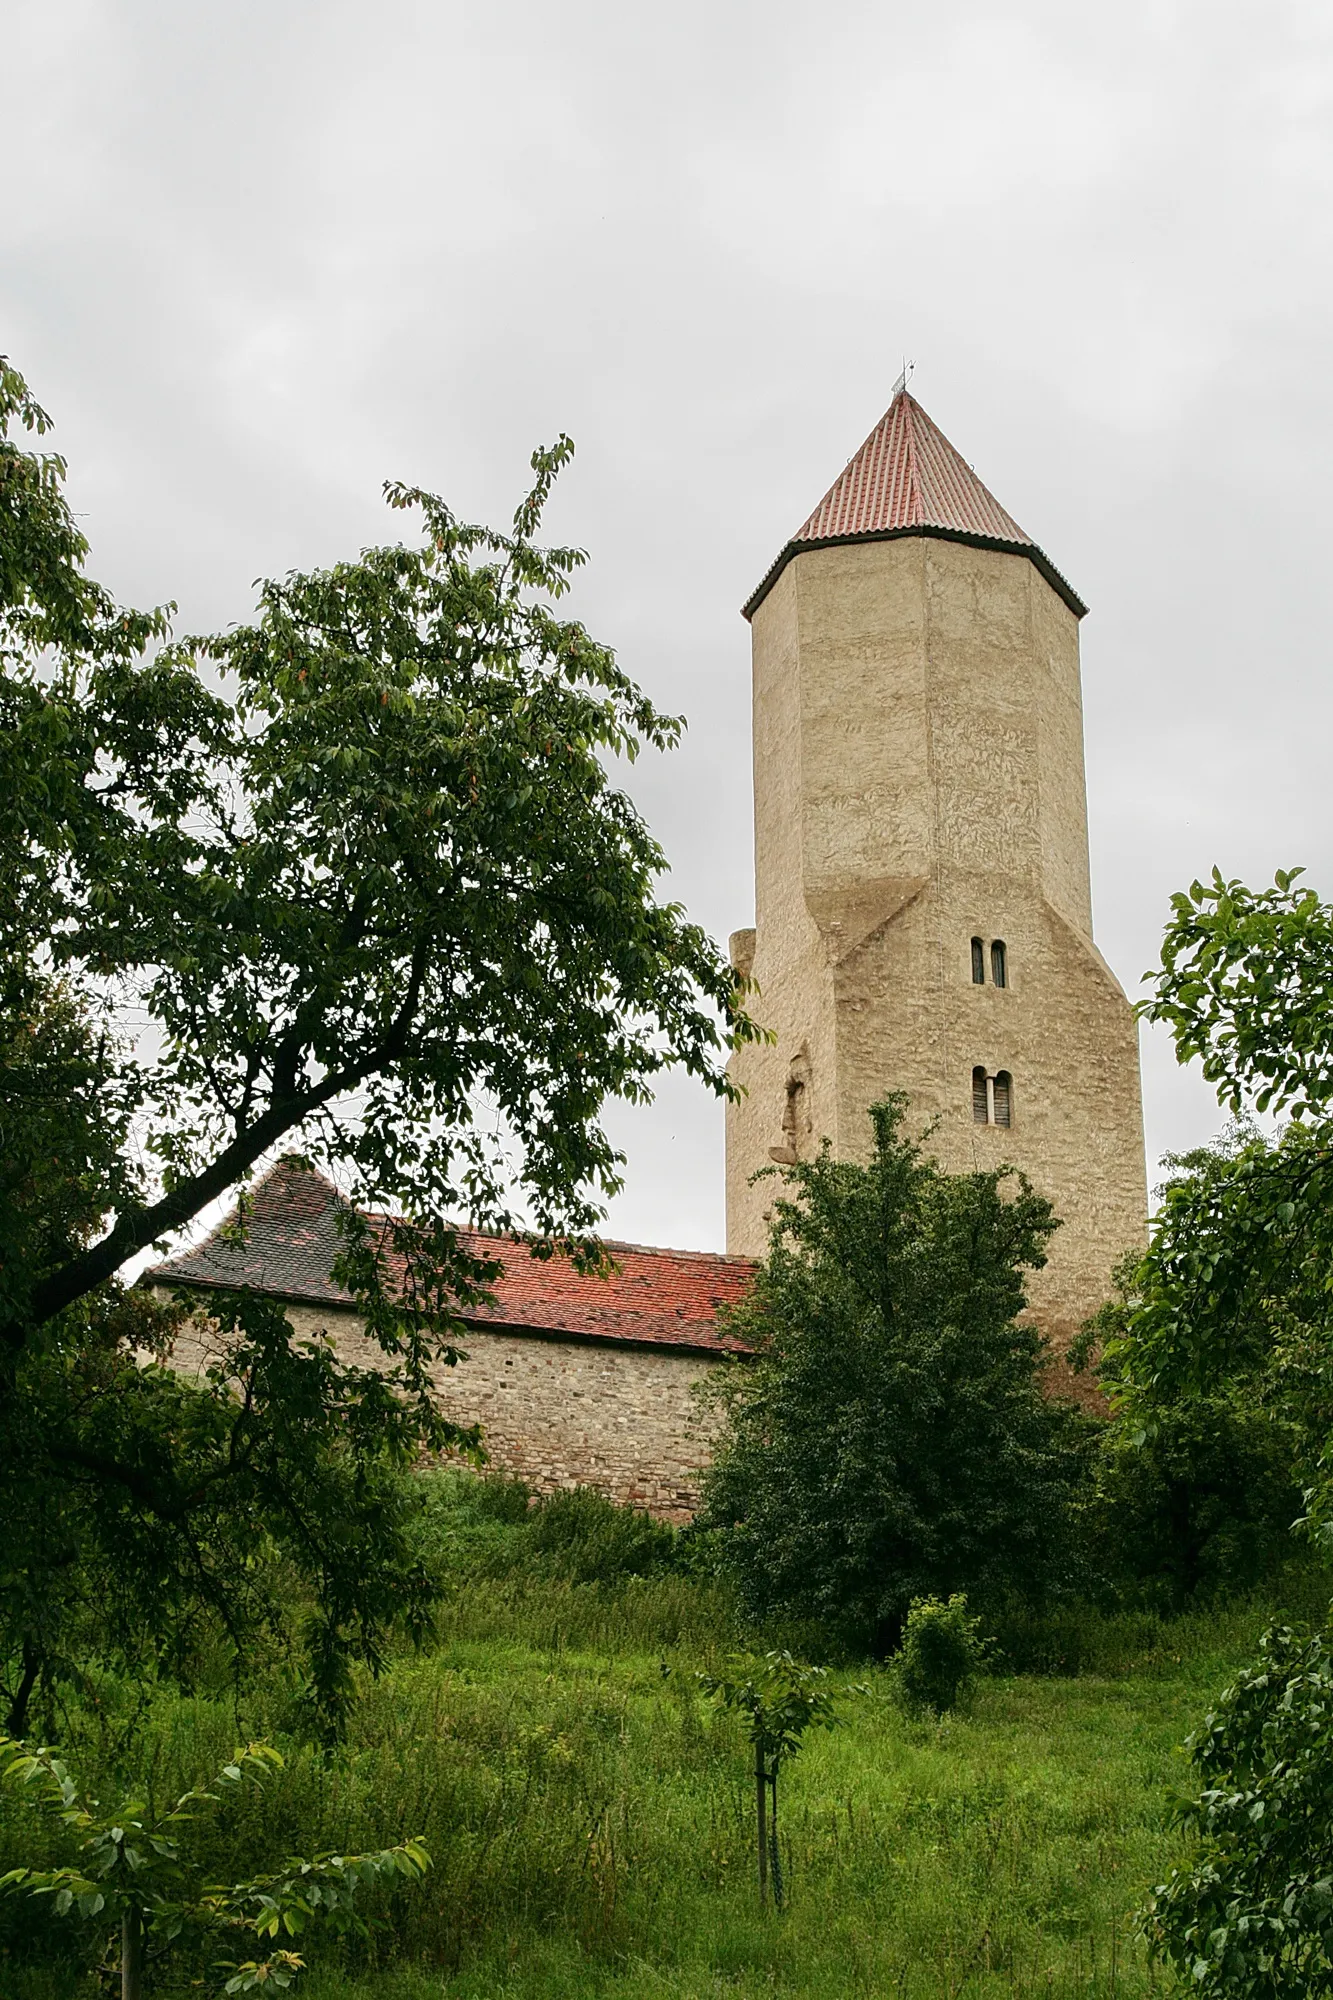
589	1814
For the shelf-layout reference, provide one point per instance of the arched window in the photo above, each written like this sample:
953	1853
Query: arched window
1004	1097
980	1097
998	966
978	962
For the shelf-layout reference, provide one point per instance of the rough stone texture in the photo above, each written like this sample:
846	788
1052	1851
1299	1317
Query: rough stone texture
557	1413
918	764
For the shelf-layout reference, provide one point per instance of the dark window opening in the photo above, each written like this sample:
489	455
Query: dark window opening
998	968
1003	1097
980	1104
978	962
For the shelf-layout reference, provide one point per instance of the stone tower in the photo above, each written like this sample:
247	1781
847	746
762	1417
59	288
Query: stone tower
922	904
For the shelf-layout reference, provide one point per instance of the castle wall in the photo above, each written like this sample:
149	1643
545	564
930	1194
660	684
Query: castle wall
555	1413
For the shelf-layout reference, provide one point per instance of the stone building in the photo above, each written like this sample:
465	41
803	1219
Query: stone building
575	1380
923	907
923	923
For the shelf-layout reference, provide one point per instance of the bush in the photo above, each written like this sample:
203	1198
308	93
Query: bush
941	1655
589	1539
497	1527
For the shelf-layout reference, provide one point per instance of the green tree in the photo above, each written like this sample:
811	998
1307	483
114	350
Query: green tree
1195	1494
780	1698
891	1440
1233	1307
942	1653
1233	1301
354	877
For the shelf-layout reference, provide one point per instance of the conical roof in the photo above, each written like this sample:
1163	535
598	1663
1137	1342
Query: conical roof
907	479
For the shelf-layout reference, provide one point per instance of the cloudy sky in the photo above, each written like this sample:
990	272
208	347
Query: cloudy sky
258	256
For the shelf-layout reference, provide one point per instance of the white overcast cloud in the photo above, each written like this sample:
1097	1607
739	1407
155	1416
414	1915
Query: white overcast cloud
256	258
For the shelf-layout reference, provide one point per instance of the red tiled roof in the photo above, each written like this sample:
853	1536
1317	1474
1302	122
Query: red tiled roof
907	479
656	1298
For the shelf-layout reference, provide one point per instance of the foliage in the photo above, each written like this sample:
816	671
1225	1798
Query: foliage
892	1440
131	1881
1200	1503
496	1526
780	1699
345	877
1230	1311
582	1535
1246	988
591	1822
1250	1917
1233	1298
941	1655
282	1463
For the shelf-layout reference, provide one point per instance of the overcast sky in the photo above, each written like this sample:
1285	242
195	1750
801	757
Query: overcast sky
256	257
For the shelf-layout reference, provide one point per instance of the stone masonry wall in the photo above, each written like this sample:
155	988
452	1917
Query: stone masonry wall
558	1413
919	782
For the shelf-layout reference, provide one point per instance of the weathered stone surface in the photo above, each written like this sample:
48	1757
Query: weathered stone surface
557	1413
918	766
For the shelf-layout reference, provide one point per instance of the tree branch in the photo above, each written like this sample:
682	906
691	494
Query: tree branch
138	1227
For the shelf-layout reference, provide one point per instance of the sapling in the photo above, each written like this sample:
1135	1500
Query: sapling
780	1698
132	1880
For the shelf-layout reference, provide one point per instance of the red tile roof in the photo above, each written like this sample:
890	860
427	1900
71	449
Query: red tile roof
654	1298
907	479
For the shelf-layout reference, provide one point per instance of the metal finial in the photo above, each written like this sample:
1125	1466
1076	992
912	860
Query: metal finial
909	368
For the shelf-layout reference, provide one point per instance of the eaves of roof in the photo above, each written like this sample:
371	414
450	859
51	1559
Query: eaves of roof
1040	562
714	1345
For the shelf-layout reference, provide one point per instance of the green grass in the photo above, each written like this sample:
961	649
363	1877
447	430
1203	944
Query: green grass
589	1814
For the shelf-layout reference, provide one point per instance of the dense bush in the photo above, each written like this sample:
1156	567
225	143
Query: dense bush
941	1655
892	1439
497	1526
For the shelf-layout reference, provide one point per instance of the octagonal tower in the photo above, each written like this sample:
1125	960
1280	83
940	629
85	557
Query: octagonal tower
923	910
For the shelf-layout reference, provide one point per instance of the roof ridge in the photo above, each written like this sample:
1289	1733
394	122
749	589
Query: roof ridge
915	500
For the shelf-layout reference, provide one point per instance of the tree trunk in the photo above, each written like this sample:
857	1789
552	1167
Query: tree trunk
761	1806
131	1953
775	1859
17	1723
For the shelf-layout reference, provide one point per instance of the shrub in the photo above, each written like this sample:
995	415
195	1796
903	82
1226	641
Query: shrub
496	1527
941	1655
589	1539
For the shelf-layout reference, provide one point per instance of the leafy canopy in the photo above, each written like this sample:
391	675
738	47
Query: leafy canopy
892	1441
353	878
1229	1311
378	879
1234	1300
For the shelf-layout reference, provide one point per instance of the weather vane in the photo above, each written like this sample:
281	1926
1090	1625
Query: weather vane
906	376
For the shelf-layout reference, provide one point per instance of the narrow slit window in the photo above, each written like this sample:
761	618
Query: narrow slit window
980	1103
1004	1097
999	970
978	962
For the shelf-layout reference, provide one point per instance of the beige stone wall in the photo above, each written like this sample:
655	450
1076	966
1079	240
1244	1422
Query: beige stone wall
919	781
558	1413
